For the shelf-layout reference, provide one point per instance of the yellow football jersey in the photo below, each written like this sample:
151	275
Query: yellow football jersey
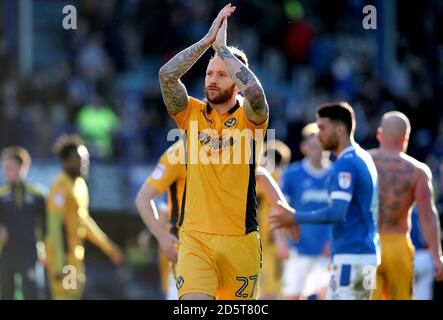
221	158
171	177
69	223
270	284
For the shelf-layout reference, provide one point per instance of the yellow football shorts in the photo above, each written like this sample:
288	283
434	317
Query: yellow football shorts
270	281
395	274
222	266
164	267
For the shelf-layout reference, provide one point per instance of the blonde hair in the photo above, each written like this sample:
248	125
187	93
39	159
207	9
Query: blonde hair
238	53
19	154
309	130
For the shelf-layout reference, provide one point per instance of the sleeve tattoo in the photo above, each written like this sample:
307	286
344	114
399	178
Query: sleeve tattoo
173	90
257	108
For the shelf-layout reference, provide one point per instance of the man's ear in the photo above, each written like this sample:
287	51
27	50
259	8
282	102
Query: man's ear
341	129
405	143
303	148
379	134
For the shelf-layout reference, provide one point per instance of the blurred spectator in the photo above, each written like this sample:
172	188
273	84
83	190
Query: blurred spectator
97	124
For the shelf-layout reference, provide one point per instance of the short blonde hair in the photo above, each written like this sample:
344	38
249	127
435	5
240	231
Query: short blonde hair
238	53
19	154
309	130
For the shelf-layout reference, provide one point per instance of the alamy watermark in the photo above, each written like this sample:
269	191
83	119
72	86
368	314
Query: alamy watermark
70	20
370	20
229	146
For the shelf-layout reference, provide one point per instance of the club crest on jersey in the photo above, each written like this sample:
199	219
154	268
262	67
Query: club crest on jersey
230	122
179	282
344	180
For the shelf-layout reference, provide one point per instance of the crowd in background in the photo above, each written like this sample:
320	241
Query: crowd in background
304	52
101	80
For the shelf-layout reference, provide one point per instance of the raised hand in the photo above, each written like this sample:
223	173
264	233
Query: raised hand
220	39
217	23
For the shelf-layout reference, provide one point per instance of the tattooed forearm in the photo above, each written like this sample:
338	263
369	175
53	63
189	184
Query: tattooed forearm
224	53
174	95
255	106
254	94
182	61
244	75
173	91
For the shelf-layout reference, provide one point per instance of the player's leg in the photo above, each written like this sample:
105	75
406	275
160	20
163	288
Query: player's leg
424	275
295	272
381	285
405	282
352	277
196	296
197	277
7	283
29	284
164	270
70	286
270	275
239	263
321	277
172	293
399	266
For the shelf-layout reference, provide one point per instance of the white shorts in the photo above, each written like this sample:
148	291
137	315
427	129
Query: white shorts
424	275
353	276
304	275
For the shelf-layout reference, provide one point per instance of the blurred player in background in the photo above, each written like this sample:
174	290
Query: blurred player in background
304	184
270	282
423	266
22	226
353	207
219	254
171	177
403	181
69	222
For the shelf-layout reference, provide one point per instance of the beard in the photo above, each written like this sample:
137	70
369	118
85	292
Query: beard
221	97
331	144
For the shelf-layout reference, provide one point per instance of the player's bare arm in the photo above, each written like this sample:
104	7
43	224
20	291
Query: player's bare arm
275	197
95	235
173	90
148	212
429	220
255	105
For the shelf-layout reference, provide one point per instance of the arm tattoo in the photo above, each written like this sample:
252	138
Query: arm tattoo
257	108
174	95
224	53
173	91
256	98
244	75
